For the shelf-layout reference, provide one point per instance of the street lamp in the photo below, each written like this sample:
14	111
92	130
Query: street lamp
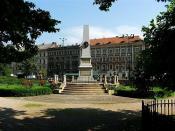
63	40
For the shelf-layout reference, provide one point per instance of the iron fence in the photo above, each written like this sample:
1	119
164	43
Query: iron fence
158	115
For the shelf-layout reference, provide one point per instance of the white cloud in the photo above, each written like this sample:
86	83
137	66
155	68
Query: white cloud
75	34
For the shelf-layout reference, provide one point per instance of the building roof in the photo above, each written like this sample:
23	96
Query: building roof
115	40
47	46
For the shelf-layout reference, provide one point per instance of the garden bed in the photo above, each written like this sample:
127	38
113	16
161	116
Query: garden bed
19	90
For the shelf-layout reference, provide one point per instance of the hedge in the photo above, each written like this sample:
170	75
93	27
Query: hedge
17	90
157	92
9	80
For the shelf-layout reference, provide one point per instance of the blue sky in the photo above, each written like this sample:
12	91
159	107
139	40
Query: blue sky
125	17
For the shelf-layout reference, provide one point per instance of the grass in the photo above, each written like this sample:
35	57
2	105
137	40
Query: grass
32	105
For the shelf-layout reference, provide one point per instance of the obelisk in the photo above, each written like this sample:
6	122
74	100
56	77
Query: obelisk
85	67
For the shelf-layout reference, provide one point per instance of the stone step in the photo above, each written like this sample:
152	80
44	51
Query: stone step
83	83
83	89
87	89
83	86
71	93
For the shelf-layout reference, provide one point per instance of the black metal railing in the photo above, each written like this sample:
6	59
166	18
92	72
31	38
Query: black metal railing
158	115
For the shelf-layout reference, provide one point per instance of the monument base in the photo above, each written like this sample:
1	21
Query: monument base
85	79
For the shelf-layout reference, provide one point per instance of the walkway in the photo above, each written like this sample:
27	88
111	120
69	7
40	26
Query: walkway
83	99
64	113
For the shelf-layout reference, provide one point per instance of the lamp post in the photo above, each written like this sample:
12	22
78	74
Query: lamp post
63	40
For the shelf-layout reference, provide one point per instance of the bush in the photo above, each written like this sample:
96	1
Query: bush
110	87
126	91
156	92
16	81
27	83
9	80
17	90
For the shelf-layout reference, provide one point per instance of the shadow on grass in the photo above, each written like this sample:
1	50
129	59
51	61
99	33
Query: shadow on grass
71	119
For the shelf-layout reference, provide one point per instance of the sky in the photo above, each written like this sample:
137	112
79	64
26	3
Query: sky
124	17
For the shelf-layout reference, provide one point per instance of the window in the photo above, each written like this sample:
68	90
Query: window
92	51
110	51
117	50
136	49
123	50
129	50
98	51
104	67
110	67
104	51
98	67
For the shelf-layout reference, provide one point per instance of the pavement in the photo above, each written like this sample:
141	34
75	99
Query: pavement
70	112
77	99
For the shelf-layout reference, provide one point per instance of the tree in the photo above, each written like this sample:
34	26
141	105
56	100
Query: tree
29	66
106	4
21	23
158	59
5	69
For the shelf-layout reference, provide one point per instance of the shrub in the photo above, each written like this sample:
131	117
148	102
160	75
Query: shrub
13	80
156	92
9	80
16	90
42	82
110	87
127	91
54	85
27	83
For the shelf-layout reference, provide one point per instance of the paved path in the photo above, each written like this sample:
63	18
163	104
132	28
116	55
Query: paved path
76	113
77	99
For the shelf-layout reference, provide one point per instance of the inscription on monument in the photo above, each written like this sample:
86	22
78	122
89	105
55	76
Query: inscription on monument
86	61
85	72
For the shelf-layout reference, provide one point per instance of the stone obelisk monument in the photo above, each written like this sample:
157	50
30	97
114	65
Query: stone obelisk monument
85	67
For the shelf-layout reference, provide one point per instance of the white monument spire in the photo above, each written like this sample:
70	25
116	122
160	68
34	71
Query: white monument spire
86	52
86	33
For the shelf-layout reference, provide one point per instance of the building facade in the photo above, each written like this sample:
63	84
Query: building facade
42	56
115	55
63	59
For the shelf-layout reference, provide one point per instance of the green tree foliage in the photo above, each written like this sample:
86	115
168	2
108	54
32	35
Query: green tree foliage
29	66
106	4
5	69
43	71
21	23
158	59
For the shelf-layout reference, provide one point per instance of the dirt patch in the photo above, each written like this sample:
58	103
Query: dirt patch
19	115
